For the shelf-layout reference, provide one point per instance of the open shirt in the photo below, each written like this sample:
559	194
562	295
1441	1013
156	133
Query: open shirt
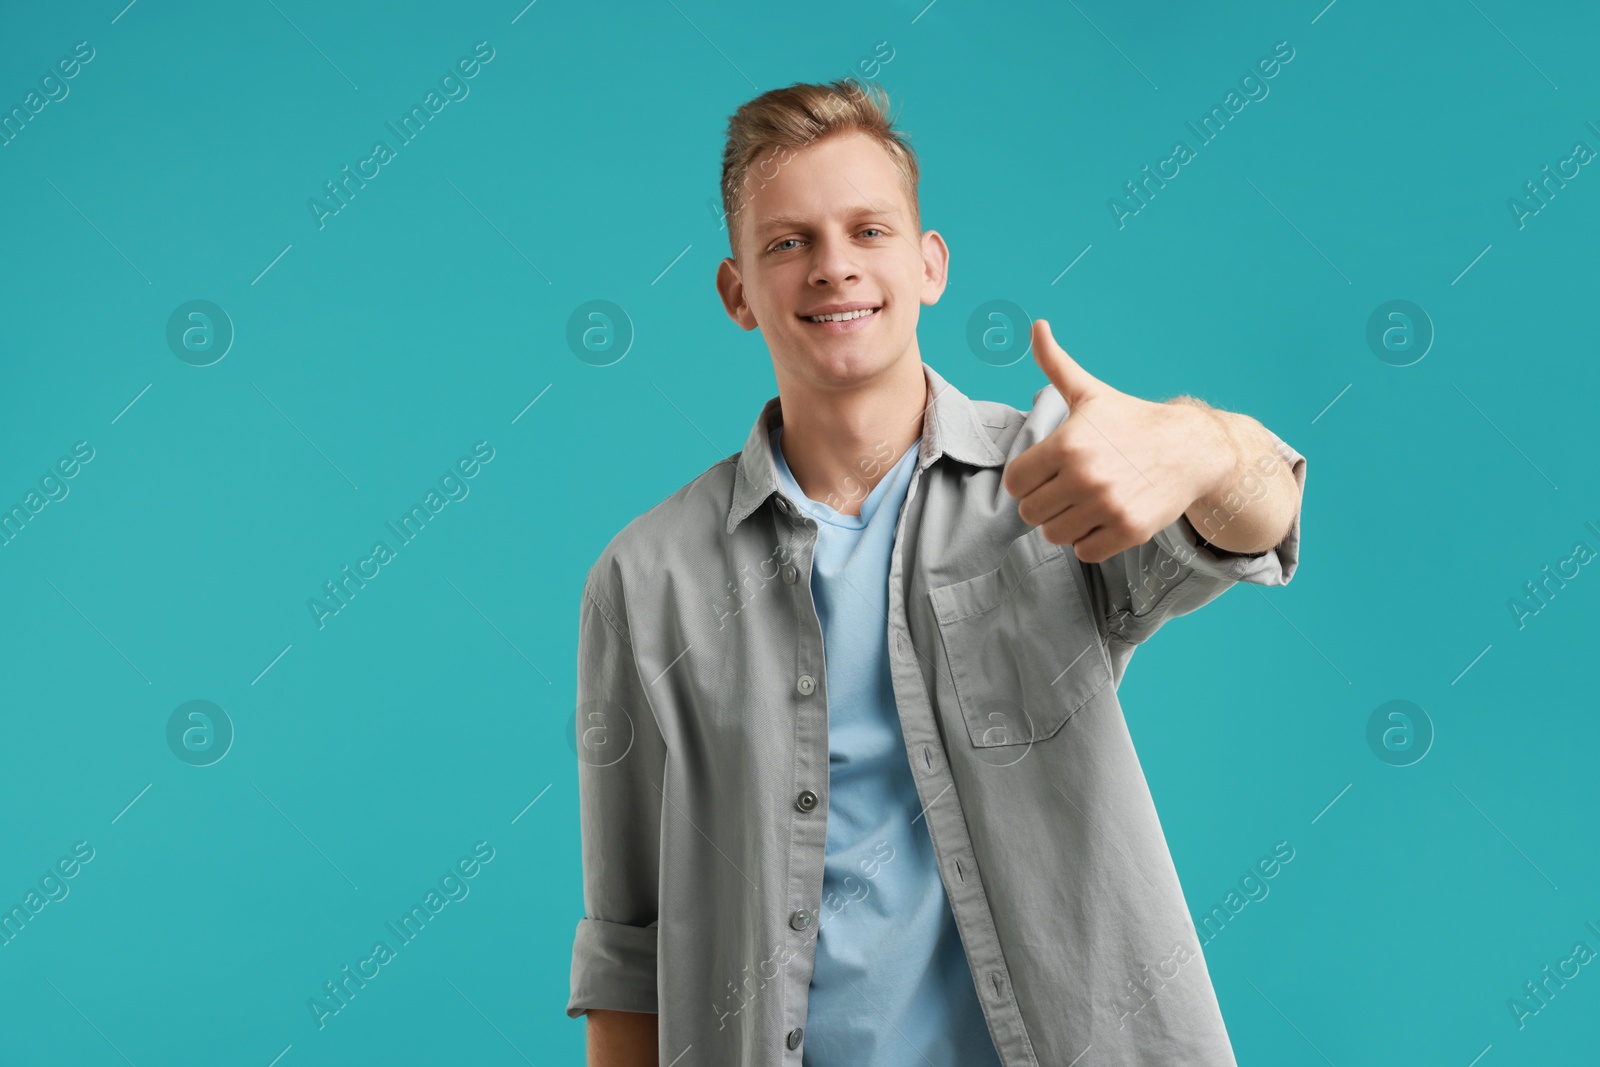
703	757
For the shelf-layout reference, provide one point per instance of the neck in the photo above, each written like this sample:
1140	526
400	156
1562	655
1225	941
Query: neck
839	443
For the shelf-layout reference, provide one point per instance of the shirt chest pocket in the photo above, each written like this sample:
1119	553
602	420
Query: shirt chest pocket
1024	653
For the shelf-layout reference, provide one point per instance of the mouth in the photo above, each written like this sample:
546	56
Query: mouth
845	320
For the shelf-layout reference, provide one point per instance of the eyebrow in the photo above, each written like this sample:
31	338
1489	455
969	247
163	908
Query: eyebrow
768	222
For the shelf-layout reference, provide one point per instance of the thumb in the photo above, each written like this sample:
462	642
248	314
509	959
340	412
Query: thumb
1073	382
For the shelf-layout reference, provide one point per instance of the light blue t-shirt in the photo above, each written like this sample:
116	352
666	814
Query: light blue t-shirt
891	986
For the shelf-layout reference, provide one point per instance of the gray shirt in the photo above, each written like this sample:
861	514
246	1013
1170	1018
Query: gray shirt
703	747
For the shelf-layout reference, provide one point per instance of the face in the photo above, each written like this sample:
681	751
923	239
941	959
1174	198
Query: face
831	231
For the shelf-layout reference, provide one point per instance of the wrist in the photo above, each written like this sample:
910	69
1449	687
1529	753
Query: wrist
1215	450
1225	450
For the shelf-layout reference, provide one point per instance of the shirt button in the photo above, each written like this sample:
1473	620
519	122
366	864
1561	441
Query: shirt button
799	920
807	684
806	801
794	1036
790	573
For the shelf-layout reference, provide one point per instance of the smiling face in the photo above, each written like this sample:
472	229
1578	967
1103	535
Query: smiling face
833	232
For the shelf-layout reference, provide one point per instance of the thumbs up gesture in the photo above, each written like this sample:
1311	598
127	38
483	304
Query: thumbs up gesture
1118	469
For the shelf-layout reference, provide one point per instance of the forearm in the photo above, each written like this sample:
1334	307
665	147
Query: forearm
621	1038
1252	497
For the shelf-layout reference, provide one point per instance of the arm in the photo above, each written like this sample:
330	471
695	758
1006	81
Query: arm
621	768
621	1038
1180	568
1139	490
1118	469
1254	497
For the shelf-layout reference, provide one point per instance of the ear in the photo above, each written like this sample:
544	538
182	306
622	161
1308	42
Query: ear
730	287
935	266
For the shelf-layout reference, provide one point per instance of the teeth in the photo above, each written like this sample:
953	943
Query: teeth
843	316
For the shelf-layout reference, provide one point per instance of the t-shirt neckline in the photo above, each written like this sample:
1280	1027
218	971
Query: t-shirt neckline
822	512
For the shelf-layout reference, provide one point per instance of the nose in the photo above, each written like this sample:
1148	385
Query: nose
834	262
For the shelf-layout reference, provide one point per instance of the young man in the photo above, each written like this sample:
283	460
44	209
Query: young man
867	794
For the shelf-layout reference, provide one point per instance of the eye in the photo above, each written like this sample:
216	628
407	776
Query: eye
872	229
779	246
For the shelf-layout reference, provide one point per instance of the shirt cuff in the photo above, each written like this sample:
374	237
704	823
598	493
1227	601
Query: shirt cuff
613	967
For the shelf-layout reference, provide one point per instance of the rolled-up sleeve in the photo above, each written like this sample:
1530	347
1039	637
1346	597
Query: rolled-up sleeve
620	772
1177	571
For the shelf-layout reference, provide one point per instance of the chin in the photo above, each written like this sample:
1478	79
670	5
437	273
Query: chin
843	364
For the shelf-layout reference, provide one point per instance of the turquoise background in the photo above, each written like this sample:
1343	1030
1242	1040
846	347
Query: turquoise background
431	313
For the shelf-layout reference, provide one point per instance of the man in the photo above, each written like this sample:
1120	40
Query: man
856	786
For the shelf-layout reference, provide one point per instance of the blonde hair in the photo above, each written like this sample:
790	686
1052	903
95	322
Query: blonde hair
782	120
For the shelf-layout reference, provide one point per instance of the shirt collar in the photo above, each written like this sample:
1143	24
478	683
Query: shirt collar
950	427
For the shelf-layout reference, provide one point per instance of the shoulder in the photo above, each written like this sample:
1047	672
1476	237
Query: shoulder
674	534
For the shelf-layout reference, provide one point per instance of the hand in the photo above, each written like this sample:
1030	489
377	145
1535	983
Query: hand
1118	469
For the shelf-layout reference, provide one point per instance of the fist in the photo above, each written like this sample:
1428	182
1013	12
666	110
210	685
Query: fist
1118	469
